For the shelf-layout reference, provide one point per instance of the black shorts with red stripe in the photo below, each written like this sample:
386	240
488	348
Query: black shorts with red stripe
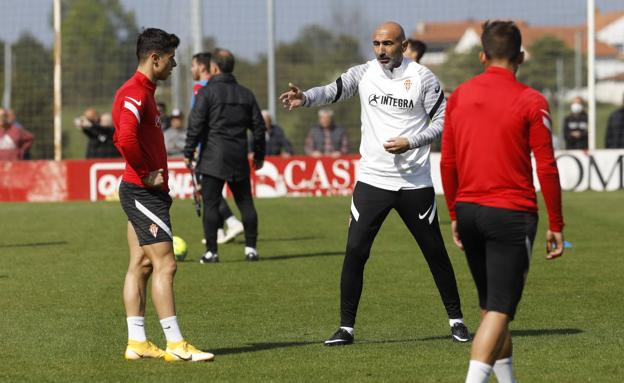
148	212
498	244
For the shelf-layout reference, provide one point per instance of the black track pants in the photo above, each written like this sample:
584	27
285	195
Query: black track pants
417	208
211	192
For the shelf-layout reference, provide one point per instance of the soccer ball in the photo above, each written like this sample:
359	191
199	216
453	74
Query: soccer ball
180	248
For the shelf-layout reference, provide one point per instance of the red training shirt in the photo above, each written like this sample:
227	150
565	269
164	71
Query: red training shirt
138	134
493	122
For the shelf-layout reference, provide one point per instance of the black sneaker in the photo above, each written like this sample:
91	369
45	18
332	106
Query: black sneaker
460	333
340	338
209	257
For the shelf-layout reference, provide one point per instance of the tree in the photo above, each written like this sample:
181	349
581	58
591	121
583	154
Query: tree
98	43
316	57
32	92
540	69
459	67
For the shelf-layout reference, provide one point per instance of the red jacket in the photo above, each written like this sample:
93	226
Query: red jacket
493	123
138	134
14	143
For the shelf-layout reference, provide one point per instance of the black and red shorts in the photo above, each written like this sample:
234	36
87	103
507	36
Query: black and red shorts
148	212
498	244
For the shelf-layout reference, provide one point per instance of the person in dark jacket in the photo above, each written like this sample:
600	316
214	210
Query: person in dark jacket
100	134
575	125
326	138
276	142
615	130
219	120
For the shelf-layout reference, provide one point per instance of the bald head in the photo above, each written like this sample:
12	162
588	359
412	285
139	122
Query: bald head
222	60
390	28
389	43
92	114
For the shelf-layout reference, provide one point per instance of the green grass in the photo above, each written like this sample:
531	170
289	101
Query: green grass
62	319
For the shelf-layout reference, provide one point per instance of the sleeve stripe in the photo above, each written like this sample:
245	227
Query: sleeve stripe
437	105
131	107
338	89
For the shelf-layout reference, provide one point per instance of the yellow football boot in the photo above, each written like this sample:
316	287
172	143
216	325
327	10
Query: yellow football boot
184	352
139	350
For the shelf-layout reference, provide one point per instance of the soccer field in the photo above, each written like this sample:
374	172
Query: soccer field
62	268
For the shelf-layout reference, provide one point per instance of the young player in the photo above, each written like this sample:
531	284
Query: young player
144	197
493	123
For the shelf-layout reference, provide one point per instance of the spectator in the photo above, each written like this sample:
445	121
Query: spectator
276	142
13	121
575	125
175	137
13	118
14	141
99	132
326	138
415	50
164	120
615	130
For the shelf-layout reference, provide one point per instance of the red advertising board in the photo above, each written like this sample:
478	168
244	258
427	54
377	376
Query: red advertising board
601	170
99	179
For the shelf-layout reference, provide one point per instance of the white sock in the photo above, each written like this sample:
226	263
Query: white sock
136	328
349	329
249	250
232	221
453	321
478	372
504	370
171	329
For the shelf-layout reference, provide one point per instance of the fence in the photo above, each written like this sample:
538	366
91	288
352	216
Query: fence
314	42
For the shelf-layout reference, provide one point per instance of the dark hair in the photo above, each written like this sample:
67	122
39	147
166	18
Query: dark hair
417	46
155	40
224	60
501	40
203	58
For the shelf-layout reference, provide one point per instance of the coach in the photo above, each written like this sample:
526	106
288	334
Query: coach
219	120
402	109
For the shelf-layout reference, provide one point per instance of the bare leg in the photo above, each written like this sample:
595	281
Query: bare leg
492	338
139	271
164	265
507	348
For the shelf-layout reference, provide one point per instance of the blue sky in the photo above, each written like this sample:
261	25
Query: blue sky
241	24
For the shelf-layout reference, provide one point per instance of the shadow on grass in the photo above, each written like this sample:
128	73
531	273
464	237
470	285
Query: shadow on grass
294	256
547	332
514	333
34	244
254	347
286	239
304	255
3	276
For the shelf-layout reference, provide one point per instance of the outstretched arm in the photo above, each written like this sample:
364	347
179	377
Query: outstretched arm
343	88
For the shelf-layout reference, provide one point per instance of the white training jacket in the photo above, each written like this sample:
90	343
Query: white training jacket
407	102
